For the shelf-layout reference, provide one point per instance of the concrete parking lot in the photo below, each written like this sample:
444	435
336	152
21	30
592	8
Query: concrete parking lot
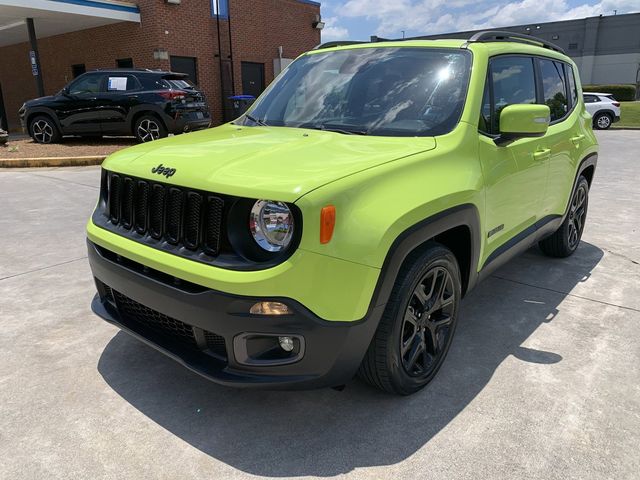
542	381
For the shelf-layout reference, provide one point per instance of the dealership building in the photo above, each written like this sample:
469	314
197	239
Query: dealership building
605	48
227	47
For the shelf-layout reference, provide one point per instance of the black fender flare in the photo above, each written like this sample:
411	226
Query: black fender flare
151	109
465	215
41	110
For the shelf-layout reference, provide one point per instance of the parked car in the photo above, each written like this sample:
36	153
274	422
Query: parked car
148	104
336	226
604	109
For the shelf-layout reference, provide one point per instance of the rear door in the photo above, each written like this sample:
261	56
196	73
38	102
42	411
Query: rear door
515	174
564	135
119	94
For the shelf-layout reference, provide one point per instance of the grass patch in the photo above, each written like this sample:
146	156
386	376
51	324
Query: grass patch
629	115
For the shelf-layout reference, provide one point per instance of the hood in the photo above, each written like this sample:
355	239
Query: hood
39	100
275	163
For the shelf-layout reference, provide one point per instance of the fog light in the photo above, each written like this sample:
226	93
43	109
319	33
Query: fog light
270	308
286	343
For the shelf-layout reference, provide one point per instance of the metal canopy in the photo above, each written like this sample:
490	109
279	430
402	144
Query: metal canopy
54	17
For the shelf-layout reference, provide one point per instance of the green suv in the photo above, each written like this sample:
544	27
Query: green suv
334	228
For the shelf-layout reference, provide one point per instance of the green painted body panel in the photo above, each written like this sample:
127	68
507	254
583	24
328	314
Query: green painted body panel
380	186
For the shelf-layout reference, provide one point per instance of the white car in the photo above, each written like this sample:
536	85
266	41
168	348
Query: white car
604	109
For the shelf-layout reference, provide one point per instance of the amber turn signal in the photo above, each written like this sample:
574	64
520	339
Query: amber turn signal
327	222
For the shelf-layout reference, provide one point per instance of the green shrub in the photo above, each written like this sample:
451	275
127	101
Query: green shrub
623	93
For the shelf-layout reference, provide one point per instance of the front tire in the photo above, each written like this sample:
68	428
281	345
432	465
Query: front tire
149	128
602	121
564	241
418	324
43	130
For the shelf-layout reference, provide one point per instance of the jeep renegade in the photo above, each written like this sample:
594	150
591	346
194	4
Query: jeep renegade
335	227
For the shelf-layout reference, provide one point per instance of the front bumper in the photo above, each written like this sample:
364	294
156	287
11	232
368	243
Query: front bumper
332	350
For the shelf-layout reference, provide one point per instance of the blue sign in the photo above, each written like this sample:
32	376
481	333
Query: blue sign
34	63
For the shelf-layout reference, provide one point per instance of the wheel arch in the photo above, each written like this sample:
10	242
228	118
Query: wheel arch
135	115
41	111
457	228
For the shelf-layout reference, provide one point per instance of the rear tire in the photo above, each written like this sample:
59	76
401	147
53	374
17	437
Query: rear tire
44	130
149	128
564	241
602	121
418	323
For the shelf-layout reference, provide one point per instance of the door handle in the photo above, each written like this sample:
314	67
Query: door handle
576	140
542	154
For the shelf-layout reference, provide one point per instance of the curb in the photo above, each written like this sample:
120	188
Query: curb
51	161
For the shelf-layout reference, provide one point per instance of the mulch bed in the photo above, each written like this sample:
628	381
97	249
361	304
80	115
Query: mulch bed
68	147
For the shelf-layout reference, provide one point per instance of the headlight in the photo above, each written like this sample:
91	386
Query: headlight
271	225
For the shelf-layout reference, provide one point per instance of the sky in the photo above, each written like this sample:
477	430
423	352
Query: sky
359	19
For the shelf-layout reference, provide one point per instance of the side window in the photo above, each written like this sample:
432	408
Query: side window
121	83
87	84
573	89
513	81
591	99
485	110
554	88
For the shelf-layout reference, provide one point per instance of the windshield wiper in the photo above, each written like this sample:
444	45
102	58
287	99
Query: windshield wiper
257	121
335	129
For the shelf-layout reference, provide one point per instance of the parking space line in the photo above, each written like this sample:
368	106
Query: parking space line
95	187
42	268
566	293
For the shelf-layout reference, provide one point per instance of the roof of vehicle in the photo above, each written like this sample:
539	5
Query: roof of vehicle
597	93
138	70
493	42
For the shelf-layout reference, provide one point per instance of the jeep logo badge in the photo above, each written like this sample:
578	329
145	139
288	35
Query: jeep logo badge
162	170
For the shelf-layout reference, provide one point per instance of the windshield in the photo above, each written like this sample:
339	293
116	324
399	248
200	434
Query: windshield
377	91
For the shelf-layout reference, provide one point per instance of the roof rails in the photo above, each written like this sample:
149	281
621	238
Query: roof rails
338	43
504	36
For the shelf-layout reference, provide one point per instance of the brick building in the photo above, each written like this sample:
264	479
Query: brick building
227	46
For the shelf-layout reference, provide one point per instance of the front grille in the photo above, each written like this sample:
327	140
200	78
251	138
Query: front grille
135	313
179	216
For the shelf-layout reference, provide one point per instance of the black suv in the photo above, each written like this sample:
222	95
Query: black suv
148	104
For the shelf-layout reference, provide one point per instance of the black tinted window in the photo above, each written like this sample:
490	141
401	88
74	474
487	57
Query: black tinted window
591	99
485	110
554	88
121	83
86	84
573	89
513	81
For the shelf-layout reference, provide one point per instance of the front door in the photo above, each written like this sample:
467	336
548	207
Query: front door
515	174
78	108
252	78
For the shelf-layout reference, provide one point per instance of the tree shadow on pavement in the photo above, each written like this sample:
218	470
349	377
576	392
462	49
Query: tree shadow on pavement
326	432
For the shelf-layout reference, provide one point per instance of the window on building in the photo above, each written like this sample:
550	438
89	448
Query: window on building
186	65
87	84
513	81
124	63
220	7
78	69
554	88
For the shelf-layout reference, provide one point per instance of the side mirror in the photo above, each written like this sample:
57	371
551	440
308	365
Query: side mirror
523	120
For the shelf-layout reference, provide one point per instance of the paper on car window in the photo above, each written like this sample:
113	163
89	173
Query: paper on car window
117	83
